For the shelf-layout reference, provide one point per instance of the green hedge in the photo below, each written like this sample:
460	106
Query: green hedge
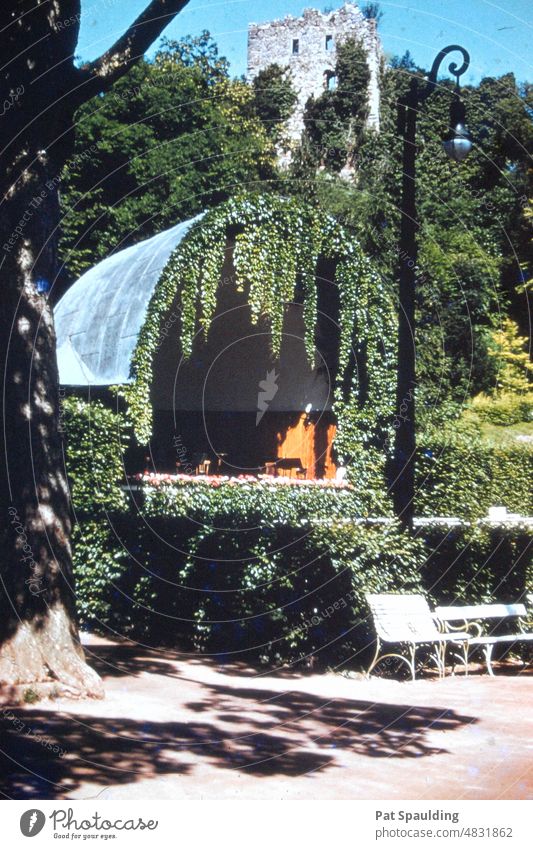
282	593
480	563
271	501
278	573
96	439
463	476
504	409
269	593
101	563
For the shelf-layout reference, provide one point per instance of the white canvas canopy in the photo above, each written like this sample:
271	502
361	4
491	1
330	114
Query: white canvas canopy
99	318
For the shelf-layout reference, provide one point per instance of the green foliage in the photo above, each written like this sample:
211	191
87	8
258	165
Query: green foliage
274	99
404	62
173	137
100	564
335	121
485	196
278	572
510	351
197	52
460	474
372	12
475	246
297	596
456	307
504	408
526	259
471	565
209	570
96	440
282	588
277	246
267	502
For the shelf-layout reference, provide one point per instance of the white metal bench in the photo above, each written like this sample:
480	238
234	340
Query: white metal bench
472	618
407	621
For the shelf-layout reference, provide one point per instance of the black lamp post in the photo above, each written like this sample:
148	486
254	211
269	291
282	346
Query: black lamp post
457	147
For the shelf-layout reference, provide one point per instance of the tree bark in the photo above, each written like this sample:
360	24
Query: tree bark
38	631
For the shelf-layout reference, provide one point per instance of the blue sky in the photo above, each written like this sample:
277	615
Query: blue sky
498	35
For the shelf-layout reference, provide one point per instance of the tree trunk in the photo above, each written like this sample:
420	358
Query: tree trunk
42	89
38	633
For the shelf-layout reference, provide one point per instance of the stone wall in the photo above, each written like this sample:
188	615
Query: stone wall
307	45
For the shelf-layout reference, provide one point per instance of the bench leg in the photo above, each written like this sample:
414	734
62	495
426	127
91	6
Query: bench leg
440	655
488	658
374	660
465	656
463	647
412	660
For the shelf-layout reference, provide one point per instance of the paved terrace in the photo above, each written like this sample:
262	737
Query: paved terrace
186	728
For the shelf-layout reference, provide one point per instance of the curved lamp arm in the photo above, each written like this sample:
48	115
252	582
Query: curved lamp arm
456	71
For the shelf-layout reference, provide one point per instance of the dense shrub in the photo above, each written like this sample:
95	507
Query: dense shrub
462	475
465	565
100	564
273	569
284	593
267	500
276	593
504	409
96	438
278	572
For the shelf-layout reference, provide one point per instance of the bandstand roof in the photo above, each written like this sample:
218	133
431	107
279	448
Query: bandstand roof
99	318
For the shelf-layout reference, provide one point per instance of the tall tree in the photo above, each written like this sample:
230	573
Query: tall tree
43	88
275	98
173	137
475	249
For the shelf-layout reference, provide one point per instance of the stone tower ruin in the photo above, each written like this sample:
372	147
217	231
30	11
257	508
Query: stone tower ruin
308	46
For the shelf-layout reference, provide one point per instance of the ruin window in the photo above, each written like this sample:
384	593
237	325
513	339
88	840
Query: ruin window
331	80
295	46
329	43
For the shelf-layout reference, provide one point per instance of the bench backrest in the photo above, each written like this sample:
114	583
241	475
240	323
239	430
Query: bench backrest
479	611
399	618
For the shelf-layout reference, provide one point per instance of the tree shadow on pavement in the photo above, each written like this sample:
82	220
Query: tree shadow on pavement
260	731
128	658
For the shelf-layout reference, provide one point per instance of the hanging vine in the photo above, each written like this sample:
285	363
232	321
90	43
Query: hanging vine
277	247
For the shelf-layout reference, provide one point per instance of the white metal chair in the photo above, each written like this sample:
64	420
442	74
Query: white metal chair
407	621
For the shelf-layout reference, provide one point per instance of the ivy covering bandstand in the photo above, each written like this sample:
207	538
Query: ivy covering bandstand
252	351
257	334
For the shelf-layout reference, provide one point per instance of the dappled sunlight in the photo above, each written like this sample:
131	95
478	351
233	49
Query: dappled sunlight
223	722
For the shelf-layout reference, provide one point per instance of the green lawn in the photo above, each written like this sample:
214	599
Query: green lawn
503	434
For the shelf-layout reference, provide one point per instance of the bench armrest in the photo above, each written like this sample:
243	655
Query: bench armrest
473	627
525	626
